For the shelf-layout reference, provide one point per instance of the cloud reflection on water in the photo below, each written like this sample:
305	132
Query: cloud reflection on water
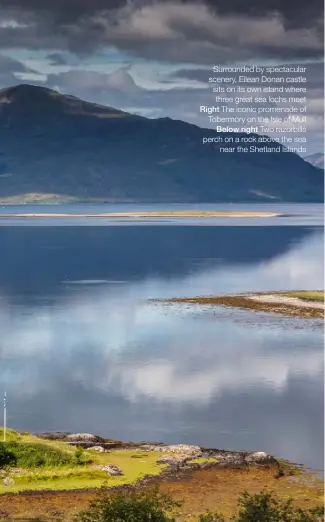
172	372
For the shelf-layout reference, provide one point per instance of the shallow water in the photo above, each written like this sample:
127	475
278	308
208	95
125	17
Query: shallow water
81	349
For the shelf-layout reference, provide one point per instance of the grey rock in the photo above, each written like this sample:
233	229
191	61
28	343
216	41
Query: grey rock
111	469
180	449
99	449
81	437
259	457
173	460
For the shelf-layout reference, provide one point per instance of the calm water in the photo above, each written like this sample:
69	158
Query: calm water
81	349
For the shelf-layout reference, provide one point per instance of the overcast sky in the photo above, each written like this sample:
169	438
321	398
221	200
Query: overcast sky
154	57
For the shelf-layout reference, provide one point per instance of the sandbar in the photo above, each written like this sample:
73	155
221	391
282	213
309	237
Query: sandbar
149	214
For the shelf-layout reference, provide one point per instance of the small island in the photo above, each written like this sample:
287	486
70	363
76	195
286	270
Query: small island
149	214
303	303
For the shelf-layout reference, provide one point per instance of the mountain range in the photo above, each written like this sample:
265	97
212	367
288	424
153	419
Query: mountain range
55	145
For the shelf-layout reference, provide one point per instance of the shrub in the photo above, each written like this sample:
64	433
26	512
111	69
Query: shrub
265	507
145	506
37	455
7	458
281	472
78	456
153	506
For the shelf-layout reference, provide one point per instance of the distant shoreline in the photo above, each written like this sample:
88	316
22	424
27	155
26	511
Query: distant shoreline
158	214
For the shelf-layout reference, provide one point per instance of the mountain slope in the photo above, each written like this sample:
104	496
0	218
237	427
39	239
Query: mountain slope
57	144
317	160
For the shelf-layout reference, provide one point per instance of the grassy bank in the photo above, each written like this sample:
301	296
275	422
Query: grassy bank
317	295
39	464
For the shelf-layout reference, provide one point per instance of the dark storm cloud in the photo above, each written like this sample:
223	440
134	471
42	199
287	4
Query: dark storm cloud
178	31
295	13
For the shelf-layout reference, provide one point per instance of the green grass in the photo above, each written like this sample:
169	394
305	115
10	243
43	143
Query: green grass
11	435
87	476
44	464
308	296
37	455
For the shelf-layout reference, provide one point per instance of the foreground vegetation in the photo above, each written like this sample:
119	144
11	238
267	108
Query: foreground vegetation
154	506
31	463
55	480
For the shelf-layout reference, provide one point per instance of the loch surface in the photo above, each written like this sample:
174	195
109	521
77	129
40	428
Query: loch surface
82	349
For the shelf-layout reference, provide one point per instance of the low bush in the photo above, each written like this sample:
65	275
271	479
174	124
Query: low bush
265	507
152	506
37	455
146	506
7	457
79	456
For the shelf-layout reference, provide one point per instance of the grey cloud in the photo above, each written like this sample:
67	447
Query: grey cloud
295	13
118	89
8	70
56	59
177	31
10	66
118	82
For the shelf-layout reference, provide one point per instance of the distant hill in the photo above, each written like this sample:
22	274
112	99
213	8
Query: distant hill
58	145
317	160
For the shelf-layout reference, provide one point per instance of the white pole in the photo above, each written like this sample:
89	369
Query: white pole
4	416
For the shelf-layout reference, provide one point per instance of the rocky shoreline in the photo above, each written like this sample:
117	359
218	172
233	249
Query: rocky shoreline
202	478
177	456
180	460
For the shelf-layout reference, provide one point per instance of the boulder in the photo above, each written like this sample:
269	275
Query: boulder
81	437
259	457
99	449
173	460
192	452
111	469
